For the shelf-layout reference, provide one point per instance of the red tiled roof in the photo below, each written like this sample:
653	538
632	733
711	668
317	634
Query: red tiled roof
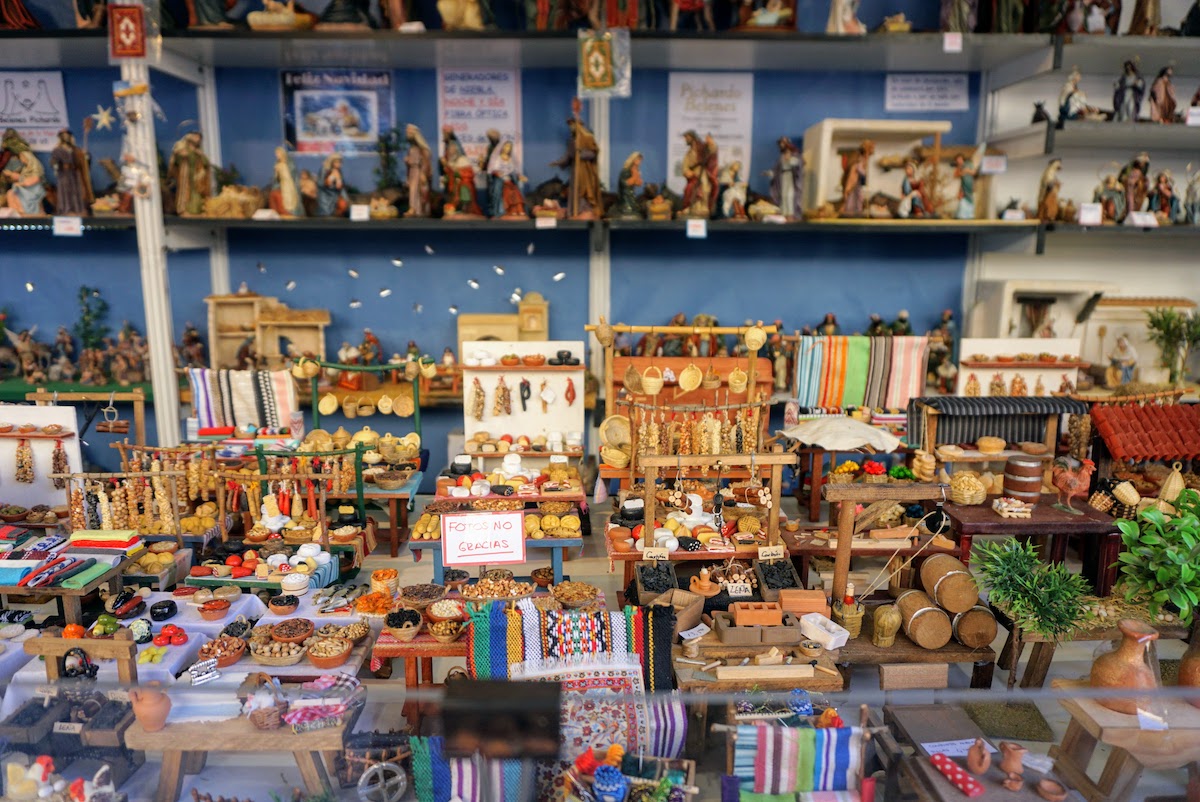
1154	431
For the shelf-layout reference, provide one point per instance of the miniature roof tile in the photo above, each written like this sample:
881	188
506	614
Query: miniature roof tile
1156	431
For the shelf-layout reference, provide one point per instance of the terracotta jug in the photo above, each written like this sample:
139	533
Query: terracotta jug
1125	667
150	706
979	757
1189	670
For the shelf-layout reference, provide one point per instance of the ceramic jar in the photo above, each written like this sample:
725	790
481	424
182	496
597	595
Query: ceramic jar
1125	667
1189	670
150	706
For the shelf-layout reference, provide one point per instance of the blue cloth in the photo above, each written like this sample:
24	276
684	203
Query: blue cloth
11	576
441	770
498	639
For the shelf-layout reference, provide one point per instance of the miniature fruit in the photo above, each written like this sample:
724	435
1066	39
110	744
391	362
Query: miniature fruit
179	638
233	559
73	631
162	640
170	630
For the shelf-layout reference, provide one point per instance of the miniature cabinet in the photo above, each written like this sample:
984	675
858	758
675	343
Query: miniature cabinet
262	323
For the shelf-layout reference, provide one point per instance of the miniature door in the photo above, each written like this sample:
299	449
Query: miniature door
533	318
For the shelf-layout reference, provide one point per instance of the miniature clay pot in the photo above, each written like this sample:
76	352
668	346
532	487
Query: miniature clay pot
1050	790
150	706
1189	670
1125	667
1012	756
979	757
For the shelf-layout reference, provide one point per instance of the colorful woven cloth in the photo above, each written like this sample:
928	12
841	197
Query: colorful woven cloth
833	371
879	366
876	372
906	379
810	357
775	762
465	780
241	397
667	725
421	769
837	759
858	359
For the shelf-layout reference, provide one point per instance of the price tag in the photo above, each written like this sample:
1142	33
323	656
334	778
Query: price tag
1013	215
1142	220
360	212
771	552
952	42
68	226
655	553
1193	116
698	631
697	229
1090	214
68	727
776	219
739	590
993	165
545	222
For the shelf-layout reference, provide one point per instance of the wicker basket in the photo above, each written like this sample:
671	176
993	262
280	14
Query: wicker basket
849	619
843	478
712	380
554	507
388	586
633	379
405	634
448	638
276	661
269	718
875	478
614	457
1101	501
294	537
1125	493
393	482
970	499
652	383
738	381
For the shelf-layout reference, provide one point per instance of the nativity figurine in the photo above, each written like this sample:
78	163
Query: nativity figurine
284	197
699	169
959	16
1127	94
505	199
733	197
73	187
1122	363
843	19
1073	102
1146	19
1135	180
418	164
914	202
629	188
854	181
191	175
27	185
787	179
580	161
1191	203
966	171
1111	198
1162	97
458	174
1048	208
208	14
346	15
332	197
1163	201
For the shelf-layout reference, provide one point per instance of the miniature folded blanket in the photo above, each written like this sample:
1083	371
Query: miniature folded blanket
80	580
98	535
12	576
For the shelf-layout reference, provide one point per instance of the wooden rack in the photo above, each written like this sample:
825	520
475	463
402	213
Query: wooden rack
243	478
172	478
384	368
127	449
136	397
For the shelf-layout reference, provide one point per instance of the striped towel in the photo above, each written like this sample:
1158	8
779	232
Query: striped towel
242	397
776	760
858	358
878	367
464	780
838	758
745	751
907	376
833	371
667	723
809	360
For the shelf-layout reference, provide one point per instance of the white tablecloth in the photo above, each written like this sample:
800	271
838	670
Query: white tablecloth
307	609
11	661
189	618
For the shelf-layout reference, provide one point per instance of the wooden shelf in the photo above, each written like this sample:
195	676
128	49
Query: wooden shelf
523	368
978	456
538	454
15	435
1027	365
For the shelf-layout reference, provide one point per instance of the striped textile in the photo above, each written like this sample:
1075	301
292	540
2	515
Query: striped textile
242	397
906	379
878	366
667	719
875	372
775	762
838	758
745	750
809	358
833	372
965	420
858	367
464	780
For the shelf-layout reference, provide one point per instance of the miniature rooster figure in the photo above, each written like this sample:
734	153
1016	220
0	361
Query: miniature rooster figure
1071	478
829	719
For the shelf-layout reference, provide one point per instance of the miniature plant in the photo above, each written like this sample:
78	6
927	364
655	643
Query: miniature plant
1040	598
90	330
1175	334
1161	561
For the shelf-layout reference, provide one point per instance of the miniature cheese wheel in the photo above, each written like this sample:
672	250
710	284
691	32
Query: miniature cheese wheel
748	524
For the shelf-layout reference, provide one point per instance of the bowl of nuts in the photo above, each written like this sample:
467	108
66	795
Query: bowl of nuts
293	630
445	610
225	649
329	652
275	653
419	597
575	594
446	631
497	590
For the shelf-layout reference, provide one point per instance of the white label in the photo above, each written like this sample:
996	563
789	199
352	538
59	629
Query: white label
921	91
716	104
483	538
545	222
656	553
952	42
473	101
1193	116
697	229
777	219
1013	215
68	727
739	590
1090	214
698	631
68	226
1142	220
771	552
953	748
993	165
360	212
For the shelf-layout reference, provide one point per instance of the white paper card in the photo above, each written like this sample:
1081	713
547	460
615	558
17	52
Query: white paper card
739	590
1193	116
1142	220
1013	215
483	538
776	219
926	91
68	727
545	222
716	104
68	226
993	165
360	212
473	101
952	42
36	106
697	229
1090	214
656	553
698	631
957	748
771	552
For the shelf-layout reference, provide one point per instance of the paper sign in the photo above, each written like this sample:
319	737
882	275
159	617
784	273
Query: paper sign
68	226
1193	116
1013	215
483	538
698	631
655	553
993	165
1090	214
360	212
771	552
337	111
953	748
919	91
126	31
716	104
68	727
697	229
952	42
472	102
34	105
1142	220
739	590
545	222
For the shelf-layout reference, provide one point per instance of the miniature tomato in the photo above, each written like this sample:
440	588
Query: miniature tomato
233	559
169	630
179	638
74	631
162	640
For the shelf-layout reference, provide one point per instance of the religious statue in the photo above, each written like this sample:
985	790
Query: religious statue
1162	97
843	18
966	172
460	15
901	327
959	16
629	186
1009	16
285	196
191	174
774	14
733	197
828	327
370	350
1127	94
876	327
490	181
1111	198
1122	361
1147	18
582	153
1072	101
1163	201
1135	178
191	351
332	198
1048	206
11	146
699	171
854	180
27	185
1191	204
419	165
346	15
458	173
787	180
73	190
913	200
504	184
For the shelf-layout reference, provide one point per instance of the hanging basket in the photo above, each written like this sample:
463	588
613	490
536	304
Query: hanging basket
712	380
633	380
690	378
604	333
652	383
738	381
755	338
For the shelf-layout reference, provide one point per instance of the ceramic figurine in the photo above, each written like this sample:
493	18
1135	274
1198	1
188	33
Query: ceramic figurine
1127	94
1048	205
854	180
1111	198
659	209
582	153
1147	18
828	327
1072	101
1008	17
191	175
702	9
1164	201
700	171
285	196
1040	115
775	14
913	202
843	19
418	163
207	14
1122	361
191	351
490	182
787	180
965	171
1135	179
332	198
979	757
959	16
448	357
346	15
460	15
629	187
15	17
733	197
73	187
504	184
27	185
1191	203
901	327
876	327
1162	97
1012	756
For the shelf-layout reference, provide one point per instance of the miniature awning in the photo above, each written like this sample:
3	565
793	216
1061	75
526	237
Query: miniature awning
1158	432
966	419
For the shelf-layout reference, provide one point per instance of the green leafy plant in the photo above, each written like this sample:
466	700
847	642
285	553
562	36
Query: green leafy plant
1176	334
1161	561
1041	598
93	310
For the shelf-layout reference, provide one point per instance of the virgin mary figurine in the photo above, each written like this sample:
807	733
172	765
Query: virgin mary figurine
285	186
504	193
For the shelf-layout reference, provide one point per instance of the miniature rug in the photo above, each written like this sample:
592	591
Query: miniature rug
1021	721
242	397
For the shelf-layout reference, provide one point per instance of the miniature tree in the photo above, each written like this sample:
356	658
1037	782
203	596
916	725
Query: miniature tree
90	330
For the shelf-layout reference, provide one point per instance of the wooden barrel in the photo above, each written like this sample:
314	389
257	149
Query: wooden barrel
949	583
925	624
1023	479
976	628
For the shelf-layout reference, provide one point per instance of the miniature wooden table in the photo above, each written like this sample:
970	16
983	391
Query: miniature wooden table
70	600
1133	748
1044	648
185	749
399	504
1096	529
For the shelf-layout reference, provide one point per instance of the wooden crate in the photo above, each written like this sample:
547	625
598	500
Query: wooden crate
688	607
910	676
647	597
787	634
772	595
32	734
114	736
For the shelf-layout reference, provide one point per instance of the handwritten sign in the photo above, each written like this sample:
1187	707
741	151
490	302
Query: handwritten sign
1142	220
68	226
1090	214
483	538
697	228
359	212
695	633
957	748
739	590
771	552
68	727
655	553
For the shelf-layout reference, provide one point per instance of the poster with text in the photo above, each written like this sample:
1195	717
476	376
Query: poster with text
473	102
342	111
35	106
483	538
716	103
